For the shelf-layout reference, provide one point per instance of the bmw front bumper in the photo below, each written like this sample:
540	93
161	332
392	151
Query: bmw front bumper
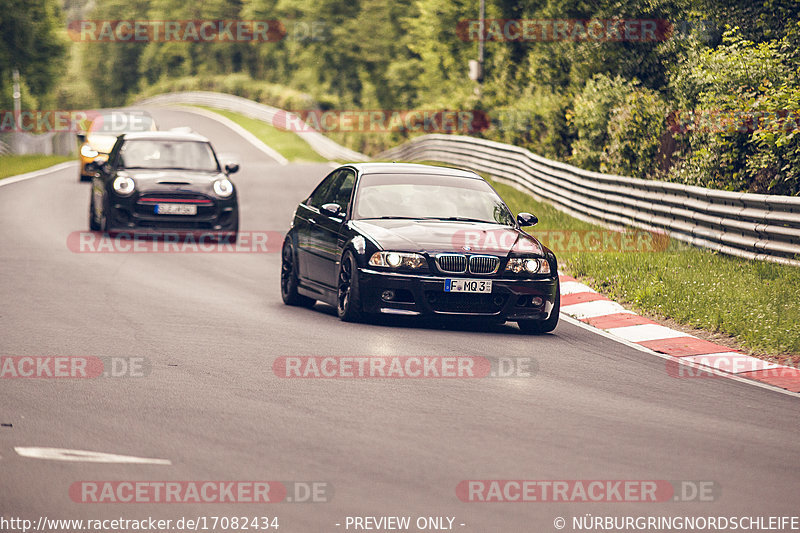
420	294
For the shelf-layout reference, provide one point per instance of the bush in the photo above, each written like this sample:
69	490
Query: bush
729	142
619	125
235	84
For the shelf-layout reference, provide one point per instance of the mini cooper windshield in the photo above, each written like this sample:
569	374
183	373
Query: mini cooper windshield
158	154
429	197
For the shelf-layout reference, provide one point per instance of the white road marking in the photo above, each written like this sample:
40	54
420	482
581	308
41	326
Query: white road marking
583	325
573	287
246	135
593	309
647	332
38	173
61	454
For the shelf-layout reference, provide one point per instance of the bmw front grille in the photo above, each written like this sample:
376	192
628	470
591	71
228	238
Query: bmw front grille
458	263
452	263
483	264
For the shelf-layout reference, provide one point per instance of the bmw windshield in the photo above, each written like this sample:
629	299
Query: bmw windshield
413	196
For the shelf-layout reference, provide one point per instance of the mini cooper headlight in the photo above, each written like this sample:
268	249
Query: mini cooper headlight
528	265
223	187
89	152
124	186
397	260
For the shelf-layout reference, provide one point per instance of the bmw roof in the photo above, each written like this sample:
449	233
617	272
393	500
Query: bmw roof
411	168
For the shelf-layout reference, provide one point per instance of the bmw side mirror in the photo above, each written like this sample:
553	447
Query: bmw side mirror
527	219
231	167
331	210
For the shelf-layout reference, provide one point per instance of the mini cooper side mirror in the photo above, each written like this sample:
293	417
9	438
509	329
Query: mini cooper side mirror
98	166
527	219
231	167
331	210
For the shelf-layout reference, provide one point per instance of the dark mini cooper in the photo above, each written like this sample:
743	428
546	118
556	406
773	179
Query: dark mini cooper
159	182
417	240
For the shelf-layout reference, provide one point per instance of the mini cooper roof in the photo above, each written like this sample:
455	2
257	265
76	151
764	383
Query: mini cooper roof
164	136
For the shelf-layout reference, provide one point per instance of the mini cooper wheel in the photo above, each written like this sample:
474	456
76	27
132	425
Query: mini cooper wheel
94	225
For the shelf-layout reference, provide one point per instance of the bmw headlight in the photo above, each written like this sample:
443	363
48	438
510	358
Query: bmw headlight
397	260
89	152
528	265
223	187
124	186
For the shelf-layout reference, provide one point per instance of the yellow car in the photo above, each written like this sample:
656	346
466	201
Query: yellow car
99	137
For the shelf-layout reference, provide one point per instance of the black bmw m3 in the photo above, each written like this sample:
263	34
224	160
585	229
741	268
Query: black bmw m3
407	239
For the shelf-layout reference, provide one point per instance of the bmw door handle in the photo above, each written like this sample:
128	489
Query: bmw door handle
312	221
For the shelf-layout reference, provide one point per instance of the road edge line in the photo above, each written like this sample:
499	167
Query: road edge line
680	360
239	130
36	173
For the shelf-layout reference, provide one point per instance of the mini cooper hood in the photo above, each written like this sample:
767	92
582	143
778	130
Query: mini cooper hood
441	236
171	179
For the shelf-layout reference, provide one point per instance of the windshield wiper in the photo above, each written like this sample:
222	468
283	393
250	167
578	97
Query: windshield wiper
460	219
390	218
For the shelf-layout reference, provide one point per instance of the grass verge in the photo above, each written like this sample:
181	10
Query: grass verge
12	165
286	143
755	302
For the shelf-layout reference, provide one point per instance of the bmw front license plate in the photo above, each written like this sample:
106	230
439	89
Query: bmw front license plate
176	209
468	285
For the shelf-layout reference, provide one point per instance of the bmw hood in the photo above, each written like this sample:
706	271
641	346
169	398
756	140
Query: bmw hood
434	236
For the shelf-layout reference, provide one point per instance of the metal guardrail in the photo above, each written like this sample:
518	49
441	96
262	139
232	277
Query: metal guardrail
324	146
753	226
52	143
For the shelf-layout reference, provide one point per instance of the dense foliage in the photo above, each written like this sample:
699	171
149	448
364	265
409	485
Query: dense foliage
683	107
31	41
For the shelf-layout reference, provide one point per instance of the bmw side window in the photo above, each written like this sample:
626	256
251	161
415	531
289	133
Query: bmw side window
345	190
323	193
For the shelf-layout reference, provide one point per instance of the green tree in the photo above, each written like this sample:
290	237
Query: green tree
30	41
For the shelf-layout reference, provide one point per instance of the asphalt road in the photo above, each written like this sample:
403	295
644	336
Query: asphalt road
210	326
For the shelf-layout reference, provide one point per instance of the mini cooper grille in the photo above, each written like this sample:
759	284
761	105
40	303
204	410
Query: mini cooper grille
452	263
483	264
166	197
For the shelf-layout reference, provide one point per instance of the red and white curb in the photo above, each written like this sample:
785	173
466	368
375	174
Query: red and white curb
687	352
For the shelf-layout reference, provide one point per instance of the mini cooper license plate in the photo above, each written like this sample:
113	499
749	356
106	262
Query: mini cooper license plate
468	285
176	209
